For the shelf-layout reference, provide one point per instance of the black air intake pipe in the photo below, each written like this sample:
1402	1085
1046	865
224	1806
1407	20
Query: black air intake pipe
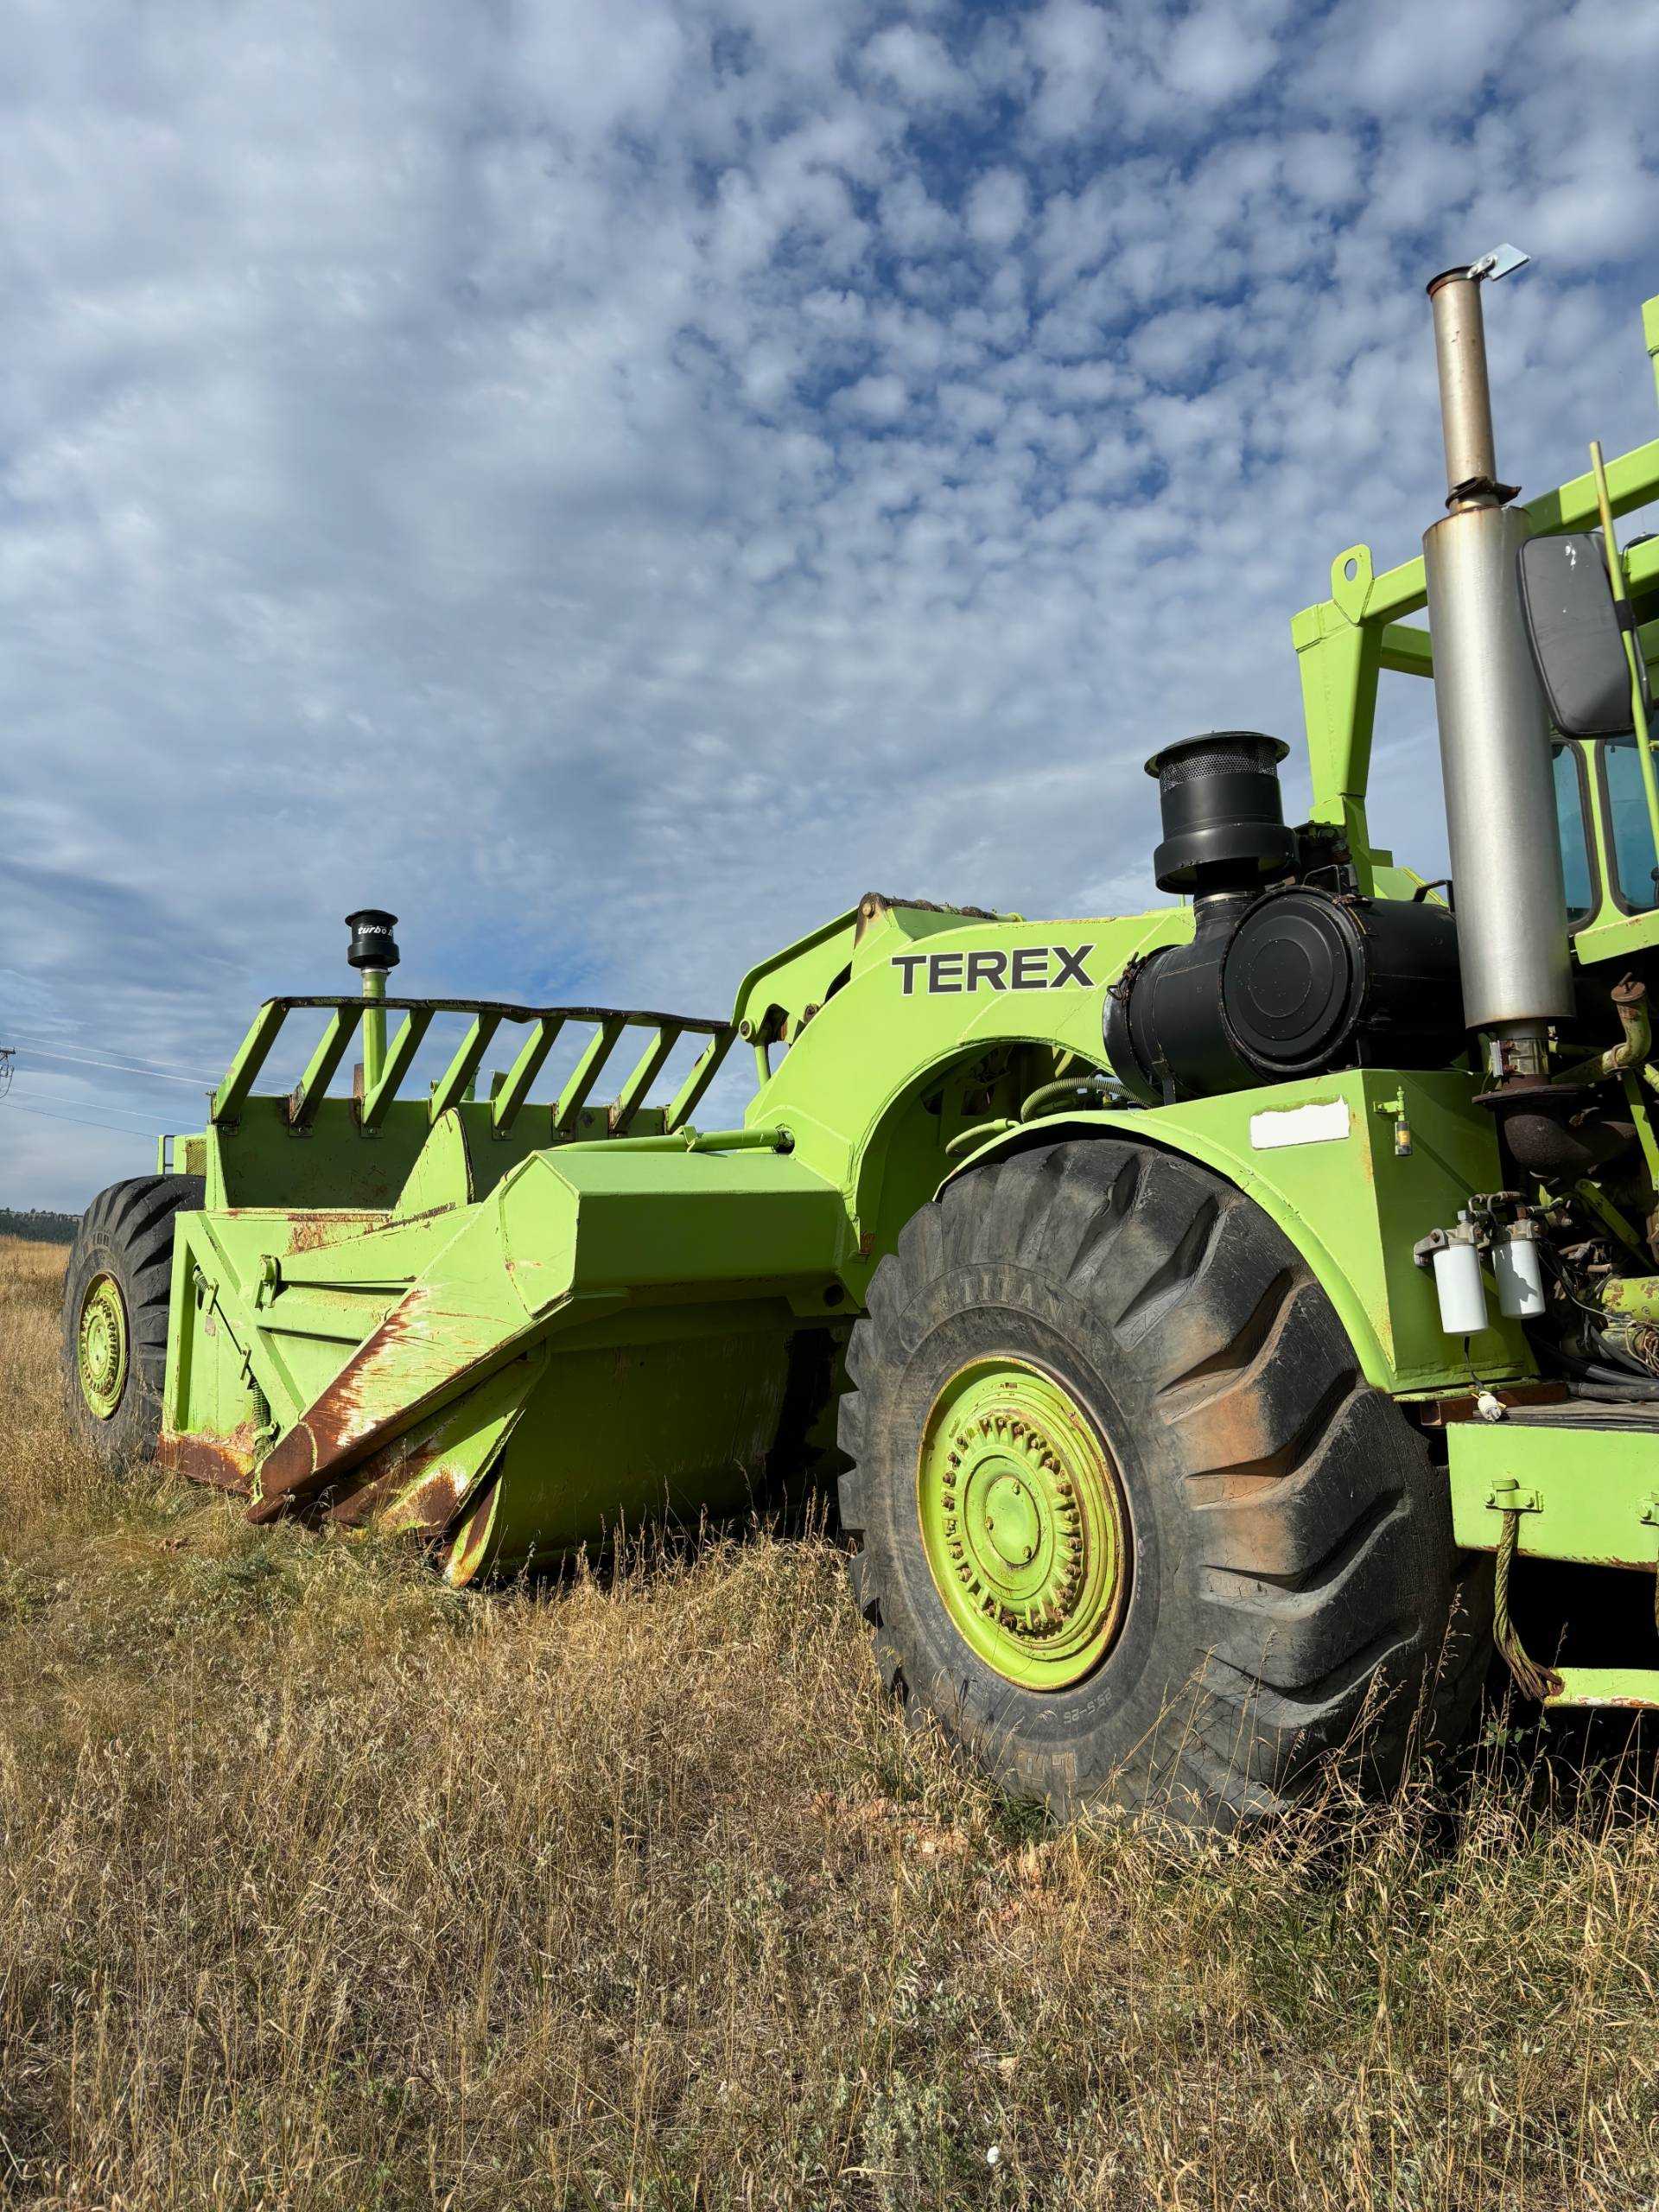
1289	980
1223	818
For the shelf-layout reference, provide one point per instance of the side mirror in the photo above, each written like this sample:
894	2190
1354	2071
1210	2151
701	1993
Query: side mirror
1577	643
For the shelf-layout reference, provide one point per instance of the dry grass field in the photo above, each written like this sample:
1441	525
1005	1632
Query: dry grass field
321	1887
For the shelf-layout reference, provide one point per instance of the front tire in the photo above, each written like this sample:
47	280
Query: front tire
116	1296
1132	1526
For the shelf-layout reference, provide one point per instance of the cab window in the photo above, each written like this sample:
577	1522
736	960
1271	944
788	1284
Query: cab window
1575	839
1632	836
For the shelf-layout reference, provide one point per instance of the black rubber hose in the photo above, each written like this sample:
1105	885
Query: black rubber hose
1598	1378
1613	1369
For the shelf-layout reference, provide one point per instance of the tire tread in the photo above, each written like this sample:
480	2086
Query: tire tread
1322	1577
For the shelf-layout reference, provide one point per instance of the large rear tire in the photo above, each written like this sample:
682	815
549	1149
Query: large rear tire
1132	1525
115	1298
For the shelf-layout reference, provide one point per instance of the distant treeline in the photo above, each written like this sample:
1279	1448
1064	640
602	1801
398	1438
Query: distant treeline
44	1227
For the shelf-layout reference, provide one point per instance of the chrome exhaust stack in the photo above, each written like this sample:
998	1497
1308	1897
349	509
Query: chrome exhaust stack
1494	756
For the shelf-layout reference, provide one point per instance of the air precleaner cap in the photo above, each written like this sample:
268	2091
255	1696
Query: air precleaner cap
1224	817
373	942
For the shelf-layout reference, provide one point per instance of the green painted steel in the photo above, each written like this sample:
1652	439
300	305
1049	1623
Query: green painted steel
103	1346
374	1027
1634	1686
343	1341
1349	1197
1346	642
1586	1489
426	1342
1023	1523
493	1286
1635	1295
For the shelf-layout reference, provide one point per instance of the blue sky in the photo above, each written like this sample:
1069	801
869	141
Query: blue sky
613	479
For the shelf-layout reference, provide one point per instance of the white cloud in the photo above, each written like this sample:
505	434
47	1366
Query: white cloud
878	399
1422	56
1071	41
998	207
613	482
1214	56
1176	348
916	63
1598	210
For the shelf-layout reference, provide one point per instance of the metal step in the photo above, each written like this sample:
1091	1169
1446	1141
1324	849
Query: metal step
1634	1688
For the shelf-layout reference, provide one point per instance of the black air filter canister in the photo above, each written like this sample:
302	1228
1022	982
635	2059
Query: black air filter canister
1290	983
373	942
1223	818
1312	979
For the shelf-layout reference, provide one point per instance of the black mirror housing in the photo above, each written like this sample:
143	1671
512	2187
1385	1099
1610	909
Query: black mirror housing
1577	643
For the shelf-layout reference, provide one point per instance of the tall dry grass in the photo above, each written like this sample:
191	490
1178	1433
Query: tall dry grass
320	1887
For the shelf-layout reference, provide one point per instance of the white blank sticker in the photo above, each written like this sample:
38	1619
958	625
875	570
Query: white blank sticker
1324	1121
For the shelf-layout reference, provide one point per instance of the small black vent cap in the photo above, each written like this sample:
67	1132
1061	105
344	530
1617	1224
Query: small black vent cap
373	942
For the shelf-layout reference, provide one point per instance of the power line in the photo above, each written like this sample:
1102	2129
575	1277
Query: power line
145	1070
35	1037
89	1059
16	1106
145	1117
147	1114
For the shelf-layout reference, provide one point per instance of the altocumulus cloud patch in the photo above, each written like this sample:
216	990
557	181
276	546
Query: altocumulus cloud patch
612	482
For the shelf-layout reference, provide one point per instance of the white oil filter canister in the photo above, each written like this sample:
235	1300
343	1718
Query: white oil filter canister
1519	1272
1457	1282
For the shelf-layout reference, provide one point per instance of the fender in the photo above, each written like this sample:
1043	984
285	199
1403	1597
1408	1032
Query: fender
1352	1178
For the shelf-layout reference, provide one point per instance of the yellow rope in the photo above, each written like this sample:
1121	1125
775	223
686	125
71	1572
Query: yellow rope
1532	1680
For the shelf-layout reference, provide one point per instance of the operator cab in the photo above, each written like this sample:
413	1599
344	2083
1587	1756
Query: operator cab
1599	784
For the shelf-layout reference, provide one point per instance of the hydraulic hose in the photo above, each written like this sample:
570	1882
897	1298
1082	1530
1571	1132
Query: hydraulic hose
1595	1378
1069	1087
1606	1371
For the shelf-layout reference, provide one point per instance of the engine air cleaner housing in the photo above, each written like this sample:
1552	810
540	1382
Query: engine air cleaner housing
1223	819
1294	983
373	942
